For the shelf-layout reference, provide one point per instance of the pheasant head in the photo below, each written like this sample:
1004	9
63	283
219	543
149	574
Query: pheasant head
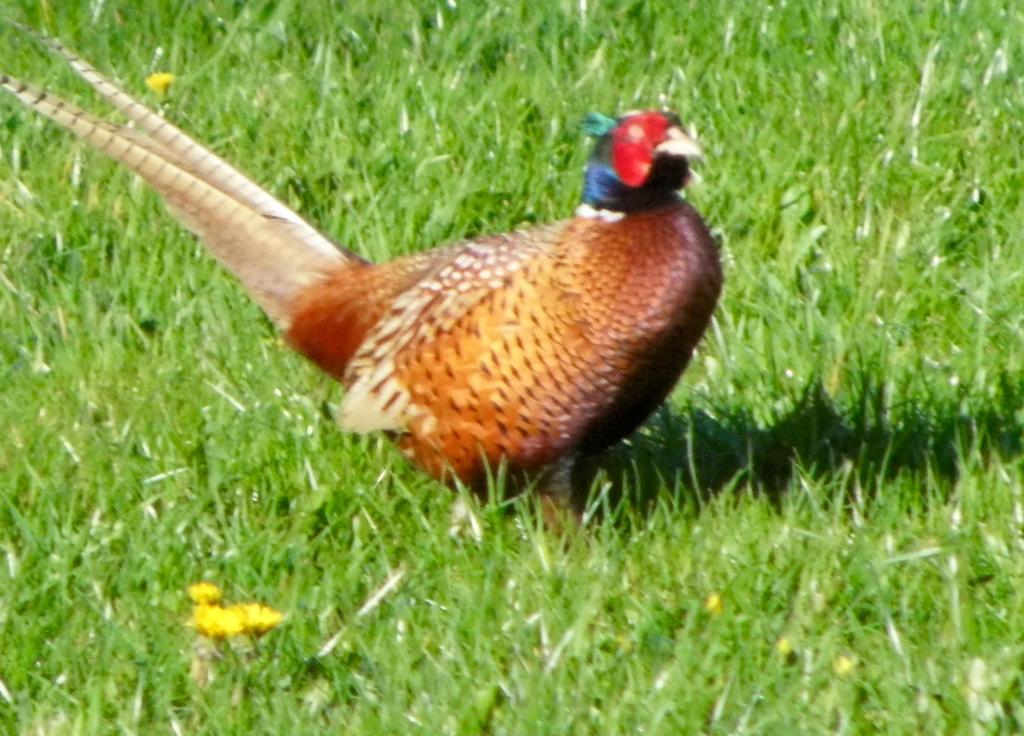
640	161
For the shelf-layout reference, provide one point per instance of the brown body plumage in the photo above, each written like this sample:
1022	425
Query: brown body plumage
530	348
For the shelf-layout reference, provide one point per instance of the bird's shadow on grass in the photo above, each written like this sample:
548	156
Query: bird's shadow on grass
868	439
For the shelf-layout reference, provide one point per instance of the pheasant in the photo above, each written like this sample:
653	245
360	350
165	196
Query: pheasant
525	350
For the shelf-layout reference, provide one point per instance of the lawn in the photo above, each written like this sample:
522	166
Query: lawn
823	531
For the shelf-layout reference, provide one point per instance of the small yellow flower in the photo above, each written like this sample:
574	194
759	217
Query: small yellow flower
204	593
714	604
843	665
784	647
215	622
159	82
258	619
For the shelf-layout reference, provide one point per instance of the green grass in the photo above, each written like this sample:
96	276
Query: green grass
842	463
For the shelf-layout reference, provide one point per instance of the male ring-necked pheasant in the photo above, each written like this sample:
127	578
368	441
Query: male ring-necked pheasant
531	348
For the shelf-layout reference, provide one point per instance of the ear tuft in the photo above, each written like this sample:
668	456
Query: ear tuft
595	124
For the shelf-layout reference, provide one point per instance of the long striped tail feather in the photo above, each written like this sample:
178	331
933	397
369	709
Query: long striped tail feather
273	251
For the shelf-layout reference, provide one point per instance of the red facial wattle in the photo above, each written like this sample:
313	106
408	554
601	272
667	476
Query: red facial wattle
633	144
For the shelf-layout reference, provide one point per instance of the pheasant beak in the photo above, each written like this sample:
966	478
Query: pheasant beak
678	143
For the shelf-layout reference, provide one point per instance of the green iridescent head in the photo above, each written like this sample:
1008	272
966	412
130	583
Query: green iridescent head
640	159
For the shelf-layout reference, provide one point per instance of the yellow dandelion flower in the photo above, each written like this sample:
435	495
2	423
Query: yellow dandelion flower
159	82
258	619
843	665
714	604
215	622
784	647
204	593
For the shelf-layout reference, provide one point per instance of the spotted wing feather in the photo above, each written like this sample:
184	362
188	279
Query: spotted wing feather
463	276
